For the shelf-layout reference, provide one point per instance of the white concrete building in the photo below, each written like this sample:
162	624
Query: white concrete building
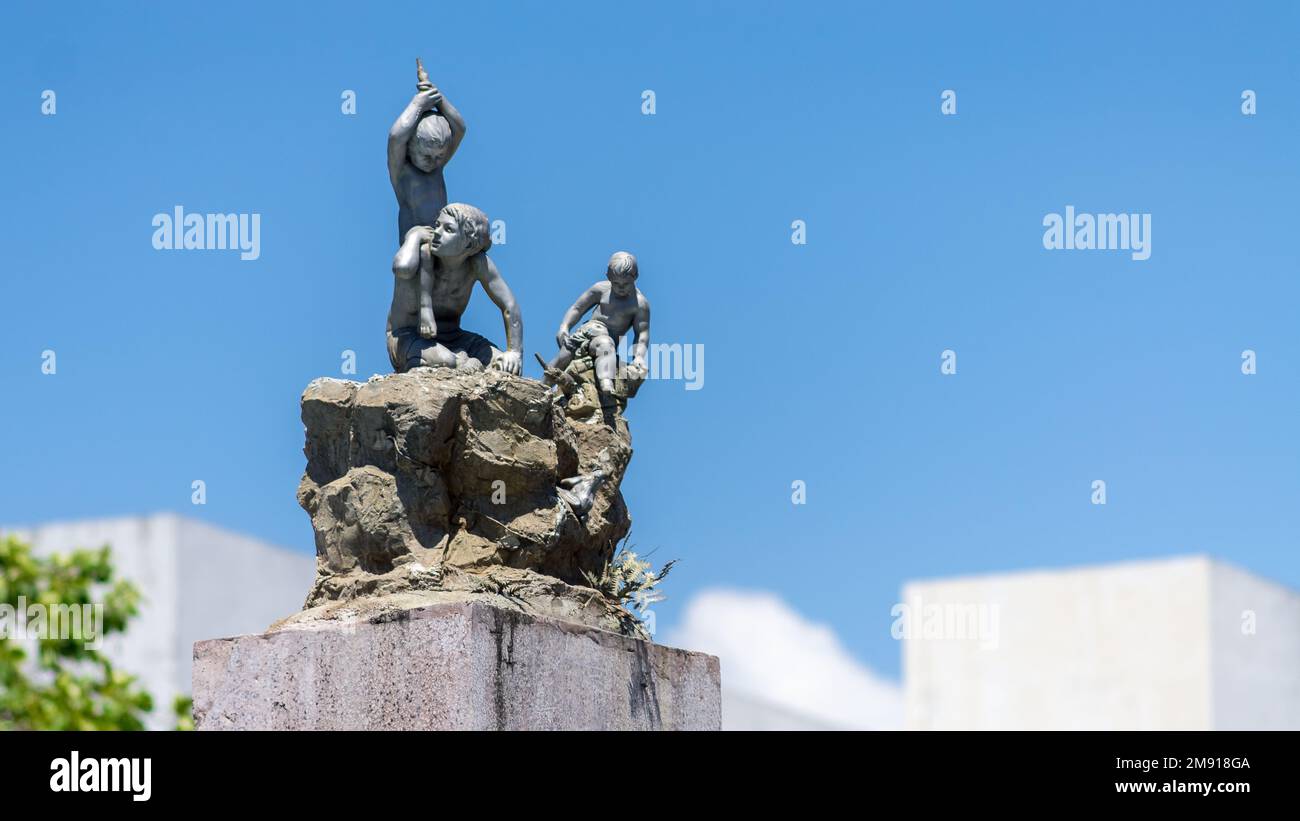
198	582
1186	643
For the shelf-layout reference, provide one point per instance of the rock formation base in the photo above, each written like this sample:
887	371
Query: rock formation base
440	485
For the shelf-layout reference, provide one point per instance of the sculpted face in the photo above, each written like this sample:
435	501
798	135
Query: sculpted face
621	273
427	147
426	155
621	285
448	240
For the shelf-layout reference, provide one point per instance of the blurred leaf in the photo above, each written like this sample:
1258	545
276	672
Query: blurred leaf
61	683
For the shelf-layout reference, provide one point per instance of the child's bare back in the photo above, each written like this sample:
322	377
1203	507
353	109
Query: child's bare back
420	197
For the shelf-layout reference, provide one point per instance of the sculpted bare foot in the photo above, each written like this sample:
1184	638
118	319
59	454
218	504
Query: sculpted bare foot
465	362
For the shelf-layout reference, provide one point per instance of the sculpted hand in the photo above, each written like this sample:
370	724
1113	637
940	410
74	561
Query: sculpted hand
638	365
428	328
511	362
427	98
424	232
562	337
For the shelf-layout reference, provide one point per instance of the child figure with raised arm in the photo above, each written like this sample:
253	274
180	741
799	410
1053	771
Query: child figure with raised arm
420	144
619	306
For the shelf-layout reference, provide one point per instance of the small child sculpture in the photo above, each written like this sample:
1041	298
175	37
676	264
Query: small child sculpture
617	306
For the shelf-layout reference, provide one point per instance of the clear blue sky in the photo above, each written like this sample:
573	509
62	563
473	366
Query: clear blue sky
822	360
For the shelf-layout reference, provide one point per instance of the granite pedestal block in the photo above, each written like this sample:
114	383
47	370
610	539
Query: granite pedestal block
457	666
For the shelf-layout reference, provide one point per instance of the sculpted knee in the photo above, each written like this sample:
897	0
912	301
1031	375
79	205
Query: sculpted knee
603	346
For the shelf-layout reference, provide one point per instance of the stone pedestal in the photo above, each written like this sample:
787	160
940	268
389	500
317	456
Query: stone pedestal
458	666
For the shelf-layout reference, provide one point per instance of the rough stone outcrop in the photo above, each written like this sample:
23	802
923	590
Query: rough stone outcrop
439	485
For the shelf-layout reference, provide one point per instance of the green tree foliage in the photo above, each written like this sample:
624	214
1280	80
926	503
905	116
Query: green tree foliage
183	709
58	683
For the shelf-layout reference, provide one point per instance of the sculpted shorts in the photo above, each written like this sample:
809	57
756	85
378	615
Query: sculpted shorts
578	343
405	346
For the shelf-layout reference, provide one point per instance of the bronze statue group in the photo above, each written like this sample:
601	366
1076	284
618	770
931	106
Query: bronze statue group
443	252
